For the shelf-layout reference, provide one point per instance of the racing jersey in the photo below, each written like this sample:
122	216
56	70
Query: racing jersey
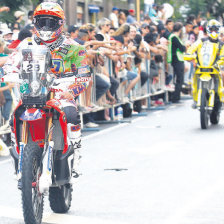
68	57
205	47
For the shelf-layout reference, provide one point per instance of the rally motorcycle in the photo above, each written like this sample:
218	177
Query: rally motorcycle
207	85
43	158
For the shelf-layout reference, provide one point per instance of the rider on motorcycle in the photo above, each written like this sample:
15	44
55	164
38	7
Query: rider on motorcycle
68	59
213	28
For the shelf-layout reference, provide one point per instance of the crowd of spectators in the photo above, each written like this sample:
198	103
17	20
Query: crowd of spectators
117	48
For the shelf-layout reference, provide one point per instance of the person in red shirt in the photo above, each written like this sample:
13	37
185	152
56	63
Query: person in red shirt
23	34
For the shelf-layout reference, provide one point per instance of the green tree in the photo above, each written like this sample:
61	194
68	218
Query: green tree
13	5
197	7
215	8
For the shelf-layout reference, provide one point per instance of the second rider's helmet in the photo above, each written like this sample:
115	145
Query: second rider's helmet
213	29
48	21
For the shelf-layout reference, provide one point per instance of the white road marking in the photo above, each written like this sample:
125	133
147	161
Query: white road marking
194	203
5	161
69	219
159	148
52	218
158	112
112	128
95	134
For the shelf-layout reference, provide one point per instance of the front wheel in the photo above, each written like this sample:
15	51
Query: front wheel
32	199
204	114
60	198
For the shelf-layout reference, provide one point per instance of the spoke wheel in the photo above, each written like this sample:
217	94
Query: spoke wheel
32	199
204	114
215	115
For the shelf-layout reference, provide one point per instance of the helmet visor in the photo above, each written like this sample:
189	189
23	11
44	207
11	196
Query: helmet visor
214	29
47	23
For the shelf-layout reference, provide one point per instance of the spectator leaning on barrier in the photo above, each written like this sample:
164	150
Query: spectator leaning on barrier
4	9
73	31
121	18
23	34
145	29
175	57
19	17
7	105
147	19
7	36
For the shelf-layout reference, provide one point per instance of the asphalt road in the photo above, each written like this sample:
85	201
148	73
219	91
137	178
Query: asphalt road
159	169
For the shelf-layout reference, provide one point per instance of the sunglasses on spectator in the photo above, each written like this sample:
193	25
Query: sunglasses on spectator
107	25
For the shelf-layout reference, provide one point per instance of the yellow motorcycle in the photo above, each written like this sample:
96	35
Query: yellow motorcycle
207	85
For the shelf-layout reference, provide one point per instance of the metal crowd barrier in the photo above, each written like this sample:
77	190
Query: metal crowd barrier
87	100
149	89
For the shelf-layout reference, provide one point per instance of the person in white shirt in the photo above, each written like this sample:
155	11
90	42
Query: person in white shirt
114	17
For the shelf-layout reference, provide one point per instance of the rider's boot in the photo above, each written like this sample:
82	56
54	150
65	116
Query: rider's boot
74	140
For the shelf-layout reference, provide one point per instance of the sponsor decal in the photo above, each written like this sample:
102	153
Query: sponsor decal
83	70
27	56
83	79
74	68
24	88
82	53
78	88
56	90
66	46
75	128
63	51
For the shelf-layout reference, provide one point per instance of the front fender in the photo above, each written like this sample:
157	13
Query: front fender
205	77
37	124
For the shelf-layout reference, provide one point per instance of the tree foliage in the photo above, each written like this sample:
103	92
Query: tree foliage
13	5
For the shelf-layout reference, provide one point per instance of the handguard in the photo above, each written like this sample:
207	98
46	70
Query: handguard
189	57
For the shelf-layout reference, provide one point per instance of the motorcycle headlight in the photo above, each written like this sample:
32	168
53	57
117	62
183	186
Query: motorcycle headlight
206	58
35	87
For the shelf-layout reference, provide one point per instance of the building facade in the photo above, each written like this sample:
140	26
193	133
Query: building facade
83	11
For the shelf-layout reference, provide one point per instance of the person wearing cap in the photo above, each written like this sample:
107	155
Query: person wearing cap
19	17
114	17
7	36
153	11
73	31
131	17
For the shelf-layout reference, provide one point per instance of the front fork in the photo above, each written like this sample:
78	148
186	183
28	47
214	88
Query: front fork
46	177
22	144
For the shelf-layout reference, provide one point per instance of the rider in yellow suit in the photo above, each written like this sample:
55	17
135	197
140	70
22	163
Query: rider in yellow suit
213	44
